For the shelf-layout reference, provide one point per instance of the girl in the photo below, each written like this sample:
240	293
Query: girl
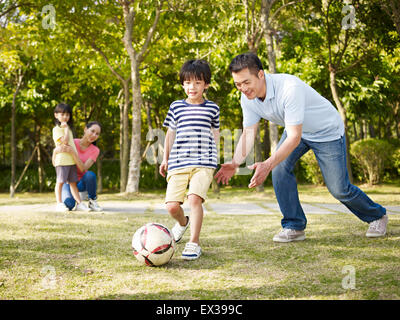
65	164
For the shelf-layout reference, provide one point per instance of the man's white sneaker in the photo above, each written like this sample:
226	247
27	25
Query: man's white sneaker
192	251
82	207
94	205
289	235
377	228
84	195
178	230
61	207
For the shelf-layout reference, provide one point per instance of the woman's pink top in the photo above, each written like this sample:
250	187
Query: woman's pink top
91	152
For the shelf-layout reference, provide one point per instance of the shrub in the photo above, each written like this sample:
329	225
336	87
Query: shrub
372	155
312	172
396	160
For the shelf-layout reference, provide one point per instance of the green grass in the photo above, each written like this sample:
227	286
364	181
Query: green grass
89	256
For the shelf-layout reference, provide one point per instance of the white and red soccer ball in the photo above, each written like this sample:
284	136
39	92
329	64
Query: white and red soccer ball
153	244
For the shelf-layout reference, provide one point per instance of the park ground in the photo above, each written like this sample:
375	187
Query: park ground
49	255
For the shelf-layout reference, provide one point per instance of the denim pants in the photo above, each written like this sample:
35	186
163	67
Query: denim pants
87	183
331	157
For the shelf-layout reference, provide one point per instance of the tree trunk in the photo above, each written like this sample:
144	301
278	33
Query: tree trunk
266	8
342	112
134	158
124	137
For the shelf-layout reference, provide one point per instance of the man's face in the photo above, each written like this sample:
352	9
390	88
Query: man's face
252	86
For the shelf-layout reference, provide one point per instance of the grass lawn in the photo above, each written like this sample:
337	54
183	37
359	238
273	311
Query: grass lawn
47	255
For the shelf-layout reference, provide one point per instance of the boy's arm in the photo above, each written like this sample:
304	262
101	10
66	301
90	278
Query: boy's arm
216	136
168	143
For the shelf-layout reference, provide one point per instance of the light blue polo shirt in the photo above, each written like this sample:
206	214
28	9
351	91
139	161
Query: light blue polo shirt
290	101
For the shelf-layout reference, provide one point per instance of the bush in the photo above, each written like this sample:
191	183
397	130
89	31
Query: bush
372	155
396	160
312	172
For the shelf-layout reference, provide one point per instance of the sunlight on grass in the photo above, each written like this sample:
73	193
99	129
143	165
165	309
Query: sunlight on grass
45	255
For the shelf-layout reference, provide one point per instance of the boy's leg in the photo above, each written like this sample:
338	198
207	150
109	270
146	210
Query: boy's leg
196	217
331	158
175	210
175	195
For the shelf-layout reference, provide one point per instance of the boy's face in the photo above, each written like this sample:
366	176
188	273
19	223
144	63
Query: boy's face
62	117
194	89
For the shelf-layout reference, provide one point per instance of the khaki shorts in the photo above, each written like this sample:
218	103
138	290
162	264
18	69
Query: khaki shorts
199	180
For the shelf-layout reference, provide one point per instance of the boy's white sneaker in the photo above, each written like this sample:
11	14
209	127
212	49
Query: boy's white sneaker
94	205
179	230
61	207
82	207
192	251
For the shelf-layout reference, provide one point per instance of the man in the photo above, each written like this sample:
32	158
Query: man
311	122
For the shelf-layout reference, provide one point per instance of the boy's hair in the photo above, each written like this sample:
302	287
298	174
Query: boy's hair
246	60
64	108
198	69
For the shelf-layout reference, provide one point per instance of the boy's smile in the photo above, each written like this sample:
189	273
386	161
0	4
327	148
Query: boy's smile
194	90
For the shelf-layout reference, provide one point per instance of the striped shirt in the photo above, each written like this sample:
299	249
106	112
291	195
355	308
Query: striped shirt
194	144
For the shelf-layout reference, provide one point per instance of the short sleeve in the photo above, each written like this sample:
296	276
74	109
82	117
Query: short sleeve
170	120
215	120
294	105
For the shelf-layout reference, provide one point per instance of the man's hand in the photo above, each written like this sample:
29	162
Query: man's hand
226	172
262	171
163	168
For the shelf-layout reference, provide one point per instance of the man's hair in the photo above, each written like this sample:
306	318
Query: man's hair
64	108
246	60
198	69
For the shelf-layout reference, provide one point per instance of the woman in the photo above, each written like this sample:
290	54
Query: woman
85	157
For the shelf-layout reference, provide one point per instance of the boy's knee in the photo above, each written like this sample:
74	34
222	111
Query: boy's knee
195	200
173	208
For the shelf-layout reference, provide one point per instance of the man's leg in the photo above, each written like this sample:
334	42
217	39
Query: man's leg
331	158
285	186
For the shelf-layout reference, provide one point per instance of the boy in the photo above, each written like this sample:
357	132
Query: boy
190	153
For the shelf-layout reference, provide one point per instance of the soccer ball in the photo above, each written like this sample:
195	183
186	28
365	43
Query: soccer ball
153	244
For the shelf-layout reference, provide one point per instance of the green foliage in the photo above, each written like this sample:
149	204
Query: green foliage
312	172
396	160
372	155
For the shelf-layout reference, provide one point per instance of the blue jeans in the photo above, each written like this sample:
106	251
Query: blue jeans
331	157
87	183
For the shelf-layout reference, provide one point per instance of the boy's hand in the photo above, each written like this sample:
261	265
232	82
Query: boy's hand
163	168
226	172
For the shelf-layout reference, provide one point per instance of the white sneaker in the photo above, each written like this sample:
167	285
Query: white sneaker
84	195
61	207
377	228
179	230
192	251
94	205
289	235
82	207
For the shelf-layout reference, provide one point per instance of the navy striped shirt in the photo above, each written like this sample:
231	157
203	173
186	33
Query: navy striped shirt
194	144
